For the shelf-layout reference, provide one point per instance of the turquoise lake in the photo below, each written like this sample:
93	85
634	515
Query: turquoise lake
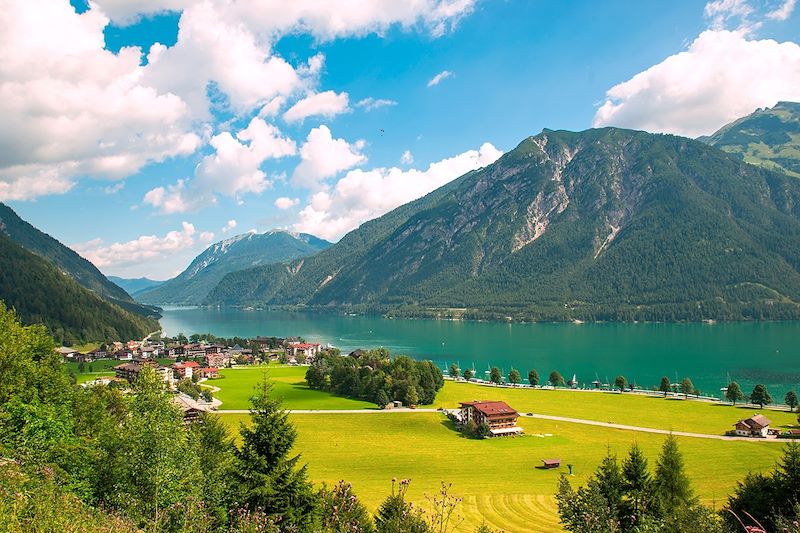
750	353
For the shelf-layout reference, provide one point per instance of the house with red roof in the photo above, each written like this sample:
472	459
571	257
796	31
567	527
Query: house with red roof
755	426
309	349
499	416
185	369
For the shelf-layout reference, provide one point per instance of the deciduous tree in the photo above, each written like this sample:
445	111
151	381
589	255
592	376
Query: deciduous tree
495	376
533	377
760	395
665	385
514	377
734	392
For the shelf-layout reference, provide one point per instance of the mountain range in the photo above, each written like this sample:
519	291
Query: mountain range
767	137
604	224
134	286
241	252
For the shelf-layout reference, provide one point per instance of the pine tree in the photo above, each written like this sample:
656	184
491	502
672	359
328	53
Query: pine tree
672	486
268	476
610	481
637	479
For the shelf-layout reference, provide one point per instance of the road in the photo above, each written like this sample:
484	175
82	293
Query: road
529	415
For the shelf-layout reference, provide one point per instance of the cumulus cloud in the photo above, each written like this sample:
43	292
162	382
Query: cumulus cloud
143	248
362	195
371	104
323	157
722	76
232	170
71	108
436	80
285	202
229	226
327	104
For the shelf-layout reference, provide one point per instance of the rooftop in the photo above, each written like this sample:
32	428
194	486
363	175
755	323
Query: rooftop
491	408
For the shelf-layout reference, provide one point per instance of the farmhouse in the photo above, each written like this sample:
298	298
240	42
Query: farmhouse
501	419
755	426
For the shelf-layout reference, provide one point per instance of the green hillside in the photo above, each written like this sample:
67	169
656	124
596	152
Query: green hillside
237	253
768	137
40	293
605	224
67	261
134	286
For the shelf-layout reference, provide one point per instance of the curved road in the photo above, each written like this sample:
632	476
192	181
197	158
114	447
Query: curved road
531	415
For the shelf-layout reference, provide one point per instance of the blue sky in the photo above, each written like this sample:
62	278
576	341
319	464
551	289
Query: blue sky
168	188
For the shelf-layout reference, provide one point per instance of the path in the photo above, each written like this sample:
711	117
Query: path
529	415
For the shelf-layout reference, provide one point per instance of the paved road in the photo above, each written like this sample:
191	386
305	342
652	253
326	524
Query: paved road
530	415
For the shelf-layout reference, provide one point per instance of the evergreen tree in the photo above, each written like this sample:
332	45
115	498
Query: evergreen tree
760	395
342	512
610	481
734	392
672	486
533	377
637	480
790	399
396	515
514	377
665	386
268	477
495	376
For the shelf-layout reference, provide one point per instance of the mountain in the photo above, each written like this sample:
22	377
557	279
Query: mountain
41	293
767	137
135	285
240	252
67	261
604	224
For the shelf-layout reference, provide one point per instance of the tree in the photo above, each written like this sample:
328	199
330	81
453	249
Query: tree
495	376
468	374
637	479
454	371
665	386
556	379
620	382
687	387
791	400
81	367
91	368
396	515
585	510
533	377
411	397
514	377
482	430
382	399
610	482
734	392
760	395
672	487
268	476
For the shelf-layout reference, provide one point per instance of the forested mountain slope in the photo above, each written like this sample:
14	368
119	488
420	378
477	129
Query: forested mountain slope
41	293
601	224
68	261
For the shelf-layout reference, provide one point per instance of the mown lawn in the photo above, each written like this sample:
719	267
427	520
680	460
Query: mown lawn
236	387
496	477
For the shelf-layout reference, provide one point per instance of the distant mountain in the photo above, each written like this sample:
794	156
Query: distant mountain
41	293
135	285
240	252
605	224
67	261
767	137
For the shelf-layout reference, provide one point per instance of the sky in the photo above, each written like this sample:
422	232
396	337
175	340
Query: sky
139	132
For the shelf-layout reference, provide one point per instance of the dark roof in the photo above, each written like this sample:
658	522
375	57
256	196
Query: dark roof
355	354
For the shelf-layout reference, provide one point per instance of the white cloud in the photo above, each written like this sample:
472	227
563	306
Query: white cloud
784	11
125	12
436	80
363	195
370	103
234	169
407	157
722	13
206	237
327	104
143	248
722	76
323	157
115	188
229	226
71	108
272	108
285	202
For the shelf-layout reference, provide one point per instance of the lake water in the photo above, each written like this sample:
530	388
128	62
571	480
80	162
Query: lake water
762	352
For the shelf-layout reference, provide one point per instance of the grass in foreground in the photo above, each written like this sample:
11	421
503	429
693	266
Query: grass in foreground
496	477
236	386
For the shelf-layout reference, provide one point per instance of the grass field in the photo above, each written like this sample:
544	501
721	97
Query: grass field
496	477
236	387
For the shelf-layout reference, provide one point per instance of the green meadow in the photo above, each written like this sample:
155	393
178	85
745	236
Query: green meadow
498	478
